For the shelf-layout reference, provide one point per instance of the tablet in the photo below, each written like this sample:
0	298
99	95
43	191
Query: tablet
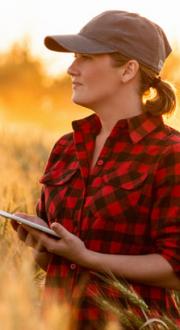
11	216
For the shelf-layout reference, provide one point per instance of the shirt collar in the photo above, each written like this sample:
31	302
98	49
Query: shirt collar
89	125
142	125
138	127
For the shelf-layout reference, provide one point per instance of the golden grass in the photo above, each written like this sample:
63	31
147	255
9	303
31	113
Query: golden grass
23	156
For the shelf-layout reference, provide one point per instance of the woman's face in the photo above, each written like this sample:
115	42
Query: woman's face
95	81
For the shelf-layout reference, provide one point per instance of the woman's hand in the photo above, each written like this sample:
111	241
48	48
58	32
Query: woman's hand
24	235
41	255
68	245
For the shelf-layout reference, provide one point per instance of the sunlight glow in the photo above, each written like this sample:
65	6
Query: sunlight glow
36	19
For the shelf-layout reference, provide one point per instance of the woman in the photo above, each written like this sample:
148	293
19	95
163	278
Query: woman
111	189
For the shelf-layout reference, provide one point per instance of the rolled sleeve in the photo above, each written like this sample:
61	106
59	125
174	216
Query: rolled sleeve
165	216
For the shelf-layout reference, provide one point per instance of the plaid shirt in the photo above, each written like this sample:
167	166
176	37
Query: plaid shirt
128	204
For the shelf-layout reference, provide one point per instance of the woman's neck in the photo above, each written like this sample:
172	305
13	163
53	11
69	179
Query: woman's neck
127	106
109	119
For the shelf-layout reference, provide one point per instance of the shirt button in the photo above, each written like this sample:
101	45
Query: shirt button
73	266
100	162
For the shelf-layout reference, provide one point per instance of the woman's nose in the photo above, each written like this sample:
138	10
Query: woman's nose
73	69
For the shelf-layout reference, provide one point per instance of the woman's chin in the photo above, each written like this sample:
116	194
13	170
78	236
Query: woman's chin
80	102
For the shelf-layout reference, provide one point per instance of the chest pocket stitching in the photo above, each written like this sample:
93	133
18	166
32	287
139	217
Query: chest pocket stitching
58	177
116	179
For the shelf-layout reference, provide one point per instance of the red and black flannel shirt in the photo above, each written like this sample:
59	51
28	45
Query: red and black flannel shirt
128	204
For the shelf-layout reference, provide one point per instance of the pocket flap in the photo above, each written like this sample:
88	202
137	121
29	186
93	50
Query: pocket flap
58	177
128	181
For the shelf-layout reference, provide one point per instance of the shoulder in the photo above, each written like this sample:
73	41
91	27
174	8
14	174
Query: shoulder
172	141
62	143
166	140
169	159
63	146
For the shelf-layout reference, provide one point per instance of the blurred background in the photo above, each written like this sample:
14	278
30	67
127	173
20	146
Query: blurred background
35	91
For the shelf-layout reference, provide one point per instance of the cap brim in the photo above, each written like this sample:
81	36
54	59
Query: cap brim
76	43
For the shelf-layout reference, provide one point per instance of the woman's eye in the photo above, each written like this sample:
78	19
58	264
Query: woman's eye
84	56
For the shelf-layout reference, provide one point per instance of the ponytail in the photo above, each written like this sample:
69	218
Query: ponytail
157	95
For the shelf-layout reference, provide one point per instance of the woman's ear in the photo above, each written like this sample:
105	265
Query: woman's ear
129	71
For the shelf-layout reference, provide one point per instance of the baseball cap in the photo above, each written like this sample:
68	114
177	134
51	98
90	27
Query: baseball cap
129	34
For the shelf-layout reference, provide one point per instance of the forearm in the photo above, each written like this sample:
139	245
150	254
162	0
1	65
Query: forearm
151	269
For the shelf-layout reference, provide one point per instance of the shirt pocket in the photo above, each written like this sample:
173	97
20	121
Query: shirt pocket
58	176
117	196
59	185
128	181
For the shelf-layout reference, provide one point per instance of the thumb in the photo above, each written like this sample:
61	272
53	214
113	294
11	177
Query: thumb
60	230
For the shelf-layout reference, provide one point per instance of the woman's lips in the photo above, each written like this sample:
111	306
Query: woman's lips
74	82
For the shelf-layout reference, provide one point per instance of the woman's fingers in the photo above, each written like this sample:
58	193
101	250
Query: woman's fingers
31	241
22	233
14	224
60	230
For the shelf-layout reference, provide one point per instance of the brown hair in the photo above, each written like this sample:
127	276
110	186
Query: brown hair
157	95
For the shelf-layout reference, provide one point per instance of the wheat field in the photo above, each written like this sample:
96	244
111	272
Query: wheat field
23	156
